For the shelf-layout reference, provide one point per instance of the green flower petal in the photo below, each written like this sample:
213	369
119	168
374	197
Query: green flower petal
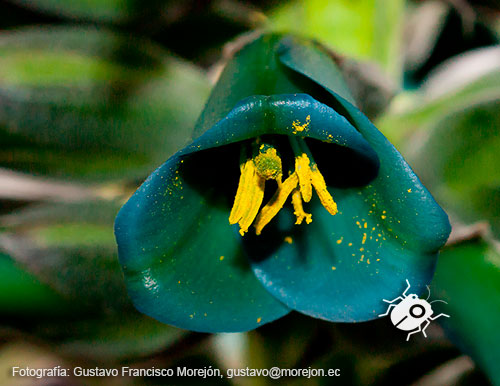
257	70
340	267
174	229
183	264
323	276
404	193
173	232
307	57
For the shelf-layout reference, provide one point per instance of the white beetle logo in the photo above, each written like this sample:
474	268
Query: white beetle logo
411	312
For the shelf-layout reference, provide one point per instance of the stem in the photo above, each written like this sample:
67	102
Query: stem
300	147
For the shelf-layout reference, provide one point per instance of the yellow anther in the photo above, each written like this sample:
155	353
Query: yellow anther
303	171
267	165
320	186
248	198
243	184
299	209
277	201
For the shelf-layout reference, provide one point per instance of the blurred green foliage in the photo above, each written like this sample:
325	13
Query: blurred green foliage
100	10
473	300
368	29
23	294
83	99
103	91
71	249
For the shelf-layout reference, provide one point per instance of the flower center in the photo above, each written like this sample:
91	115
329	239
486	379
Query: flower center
266	165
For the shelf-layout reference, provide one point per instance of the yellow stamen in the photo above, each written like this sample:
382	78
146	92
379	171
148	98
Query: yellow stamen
273	207
303	171
248	197
267	165
299	209
255	203
243	185
320	186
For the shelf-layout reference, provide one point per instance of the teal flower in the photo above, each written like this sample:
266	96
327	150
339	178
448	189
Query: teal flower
287	199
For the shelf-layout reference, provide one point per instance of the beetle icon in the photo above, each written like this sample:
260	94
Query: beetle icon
412	312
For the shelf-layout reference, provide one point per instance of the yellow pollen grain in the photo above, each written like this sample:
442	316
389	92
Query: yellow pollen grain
364	238
367	261
339	241
350	244
365	225
361	249
333	268
259	320
297	127
298	209
383	217
409	190
221	258
288	240
378	259
373	228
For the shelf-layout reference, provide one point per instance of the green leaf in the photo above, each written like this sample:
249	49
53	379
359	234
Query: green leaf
100	10
365	29
70	248
87	103
462	148
22	294
421	112
112	337
468	278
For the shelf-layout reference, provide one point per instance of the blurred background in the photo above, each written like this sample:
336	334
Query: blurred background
95	94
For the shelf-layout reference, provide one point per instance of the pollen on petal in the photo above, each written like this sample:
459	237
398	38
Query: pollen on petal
298	127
